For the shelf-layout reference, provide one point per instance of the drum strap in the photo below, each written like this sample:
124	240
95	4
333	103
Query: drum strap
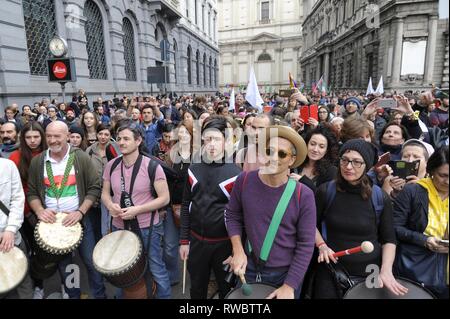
274	224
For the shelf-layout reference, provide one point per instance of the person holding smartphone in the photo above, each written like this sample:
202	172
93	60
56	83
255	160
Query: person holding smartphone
421	223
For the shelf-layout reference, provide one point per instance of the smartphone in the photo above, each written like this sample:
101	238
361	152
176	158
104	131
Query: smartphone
443	242
304	113
403	169
314	111
383	159
387	103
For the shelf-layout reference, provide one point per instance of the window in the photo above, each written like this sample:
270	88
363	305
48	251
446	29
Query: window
197	64
196	13
175	57
265	11
215	73
189	61
95	46
40	28
187	8
264	57
128	50
210	71
209	22
203	18
204	69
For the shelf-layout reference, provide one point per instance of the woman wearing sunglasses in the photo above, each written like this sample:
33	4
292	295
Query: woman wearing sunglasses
350	218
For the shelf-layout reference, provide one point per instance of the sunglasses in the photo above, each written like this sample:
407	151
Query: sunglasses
281	153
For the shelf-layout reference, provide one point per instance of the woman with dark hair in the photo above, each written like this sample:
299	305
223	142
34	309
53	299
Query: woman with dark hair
320	164
77	137
32	143
89	123
354	218
392	137
356	128
421	224
324	114
204	239
189	115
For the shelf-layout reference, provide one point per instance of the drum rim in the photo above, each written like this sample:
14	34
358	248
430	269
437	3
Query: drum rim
27	265
415	283
128	267
53	250
251	283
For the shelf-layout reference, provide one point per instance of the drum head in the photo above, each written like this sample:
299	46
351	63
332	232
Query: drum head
13	268
415	291
259	291
117	252
56	238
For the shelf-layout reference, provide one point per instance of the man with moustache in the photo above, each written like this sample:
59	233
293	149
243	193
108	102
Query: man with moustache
9	135
81	190
253	204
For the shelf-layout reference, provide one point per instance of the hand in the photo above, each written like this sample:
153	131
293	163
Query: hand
313	122
129	212
325	254
284	292
386	278
383	171
239	263
47	215
299	97
115	210
433	245
295	176
184	252
396	183
411	179
370	108
72	218
403	104
6	241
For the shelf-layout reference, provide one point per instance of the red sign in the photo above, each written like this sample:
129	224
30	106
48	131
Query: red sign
59	70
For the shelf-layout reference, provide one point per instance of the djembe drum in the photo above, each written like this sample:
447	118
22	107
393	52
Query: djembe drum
119	256
54	243
259	291
13	269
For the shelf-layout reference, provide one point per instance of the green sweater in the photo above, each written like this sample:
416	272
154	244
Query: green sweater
88	180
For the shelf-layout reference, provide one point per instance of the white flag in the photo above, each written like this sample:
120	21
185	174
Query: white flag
232	101
380	88
369	87
252	94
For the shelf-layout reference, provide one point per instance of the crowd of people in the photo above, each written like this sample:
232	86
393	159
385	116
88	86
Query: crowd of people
265	192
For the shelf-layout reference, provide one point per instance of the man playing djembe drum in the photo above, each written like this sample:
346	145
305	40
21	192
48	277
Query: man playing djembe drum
261	197
61	180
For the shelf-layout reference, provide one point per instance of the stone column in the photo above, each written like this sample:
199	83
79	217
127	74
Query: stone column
326	68
398	46
431	49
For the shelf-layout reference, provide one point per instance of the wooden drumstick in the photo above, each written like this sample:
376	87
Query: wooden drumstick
184	274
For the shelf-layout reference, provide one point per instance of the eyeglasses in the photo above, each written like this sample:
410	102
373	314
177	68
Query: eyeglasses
355	163
281	153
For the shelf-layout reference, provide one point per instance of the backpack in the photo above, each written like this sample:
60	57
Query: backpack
376	199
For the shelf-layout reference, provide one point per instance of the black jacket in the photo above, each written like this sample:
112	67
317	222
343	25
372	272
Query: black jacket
413	259
207	192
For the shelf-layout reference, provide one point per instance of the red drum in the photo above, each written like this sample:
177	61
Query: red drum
259	291
415	291
119	256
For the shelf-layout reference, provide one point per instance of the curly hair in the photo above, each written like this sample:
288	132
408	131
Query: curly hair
331	156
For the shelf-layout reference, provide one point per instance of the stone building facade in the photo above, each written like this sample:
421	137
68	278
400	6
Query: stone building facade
265	34
349	41
112	42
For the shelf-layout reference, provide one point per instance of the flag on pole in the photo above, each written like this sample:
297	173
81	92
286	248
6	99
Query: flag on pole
314	87
252	95
292	83
380	88
232	101
321	85
370	87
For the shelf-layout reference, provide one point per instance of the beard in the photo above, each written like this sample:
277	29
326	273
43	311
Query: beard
70	118
8	141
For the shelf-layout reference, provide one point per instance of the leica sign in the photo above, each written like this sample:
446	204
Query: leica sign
61	70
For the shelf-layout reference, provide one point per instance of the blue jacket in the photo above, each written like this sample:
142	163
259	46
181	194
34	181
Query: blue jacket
153	132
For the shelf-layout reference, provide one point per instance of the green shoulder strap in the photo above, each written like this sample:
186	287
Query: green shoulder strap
276	220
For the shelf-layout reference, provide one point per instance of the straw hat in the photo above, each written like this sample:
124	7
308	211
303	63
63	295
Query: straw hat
292	136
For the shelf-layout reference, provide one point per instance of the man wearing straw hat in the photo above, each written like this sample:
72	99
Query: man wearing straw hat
275	255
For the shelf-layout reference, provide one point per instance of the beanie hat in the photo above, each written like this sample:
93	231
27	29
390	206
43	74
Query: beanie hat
365	149
76	129
354	100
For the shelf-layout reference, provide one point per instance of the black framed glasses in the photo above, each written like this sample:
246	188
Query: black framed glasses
355	163
281	153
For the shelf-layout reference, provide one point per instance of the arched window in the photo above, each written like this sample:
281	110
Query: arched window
189	61
128	50
204	69
197	64
264	57
95	45
215	72
175	57
210	71
40	28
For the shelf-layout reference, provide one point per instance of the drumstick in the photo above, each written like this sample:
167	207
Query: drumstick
184	275
246	288
366	247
